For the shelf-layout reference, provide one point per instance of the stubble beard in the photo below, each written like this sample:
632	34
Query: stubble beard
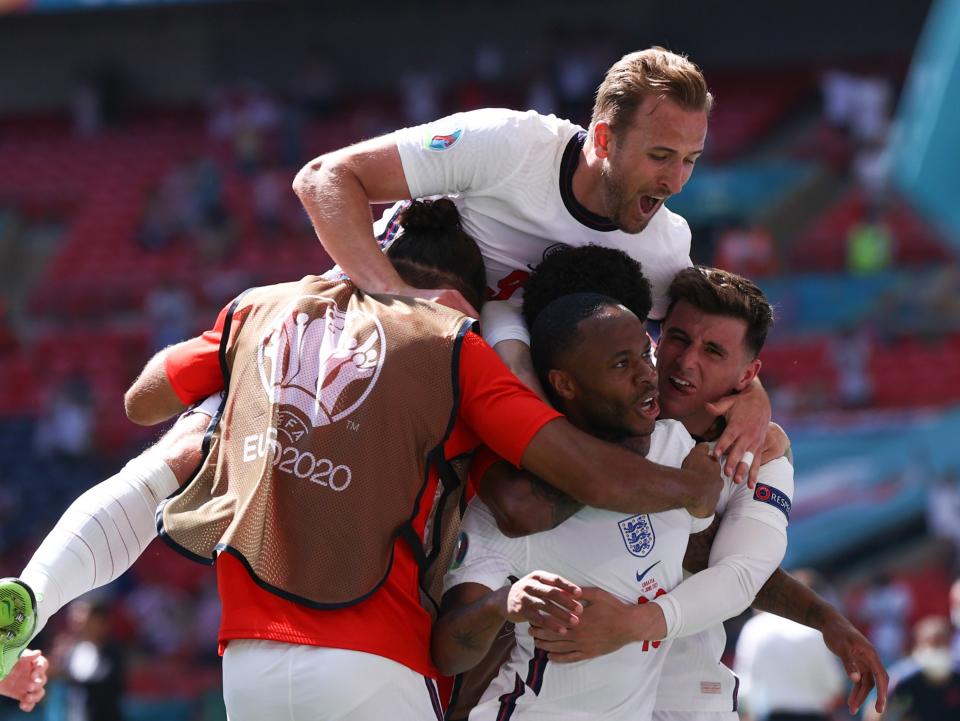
615	200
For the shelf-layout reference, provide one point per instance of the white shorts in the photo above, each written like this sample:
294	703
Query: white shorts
269	680
695	716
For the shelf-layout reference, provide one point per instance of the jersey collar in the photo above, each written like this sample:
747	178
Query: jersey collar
568	166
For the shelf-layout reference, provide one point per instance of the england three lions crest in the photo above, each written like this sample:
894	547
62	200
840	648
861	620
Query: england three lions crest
638	534
321	362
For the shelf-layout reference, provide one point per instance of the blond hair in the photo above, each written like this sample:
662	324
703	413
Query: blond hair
654	71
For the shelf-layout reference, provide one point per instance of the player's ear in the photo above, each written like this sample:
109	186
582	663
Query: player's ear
562	384
601	138
749	373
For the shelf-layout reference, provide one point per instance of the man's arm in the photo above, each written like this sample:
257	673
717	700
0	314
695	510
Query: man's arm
471	615
744	554
337	189
522	503
605	625
179	375
732	559
504	329
697	556
516	354
603	475
784	596
105	530
749	545
151	399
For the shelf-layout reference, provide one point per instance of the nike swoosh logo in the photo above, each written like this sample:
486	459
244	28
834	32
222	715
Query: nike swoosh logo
641	575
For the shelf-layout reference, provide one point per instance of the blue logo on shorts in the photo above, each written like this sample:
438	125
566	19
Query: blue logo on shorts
638	535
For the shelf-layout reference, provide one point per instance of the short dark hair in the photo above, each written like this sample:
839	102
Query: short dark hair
587	269
720	292
435	250
556	330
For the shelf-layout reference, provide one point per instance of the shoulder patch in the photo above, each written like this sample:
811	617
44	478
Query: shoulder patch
441	141
774	497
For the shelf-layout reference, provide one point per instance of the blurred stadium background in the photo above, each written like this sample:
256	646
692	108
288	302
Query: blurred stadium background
146	155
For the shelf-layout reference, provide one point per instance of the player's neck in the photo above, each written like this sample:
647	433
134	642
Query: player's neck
587	187
582	421
638	444
703	425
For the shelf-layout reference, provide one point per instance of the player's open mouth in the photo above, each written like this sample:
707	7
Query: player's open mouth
649	203
649	406
681	385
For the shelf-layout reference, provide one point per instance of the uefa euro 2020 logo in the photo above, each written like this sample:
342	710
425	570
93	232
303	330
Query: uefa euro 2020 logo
311	363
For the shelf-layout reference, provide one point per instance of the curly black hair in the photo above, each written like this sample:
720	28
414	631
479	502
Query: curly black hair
587	269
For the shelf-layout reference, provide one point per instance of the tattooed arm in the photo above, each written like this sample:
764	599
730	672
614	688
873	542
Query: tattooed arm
785	596
522	503
471	615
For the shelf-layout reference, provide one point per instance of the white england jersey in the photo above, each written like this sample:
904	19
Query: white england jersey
636	558
510	174
693	678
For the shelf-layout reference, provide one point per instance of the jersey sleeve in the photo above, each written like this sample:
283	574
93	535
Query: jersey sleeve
484	555
497	407
193	367
770	501
749	545
472	151
744	554
501	320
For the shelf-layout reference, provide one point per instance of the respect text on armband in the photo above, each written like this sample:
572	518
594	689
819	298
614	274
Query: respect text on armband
773	497
291	460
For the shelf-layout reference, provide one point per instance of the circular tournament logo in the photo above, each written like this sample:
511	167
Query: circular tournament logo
320	361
